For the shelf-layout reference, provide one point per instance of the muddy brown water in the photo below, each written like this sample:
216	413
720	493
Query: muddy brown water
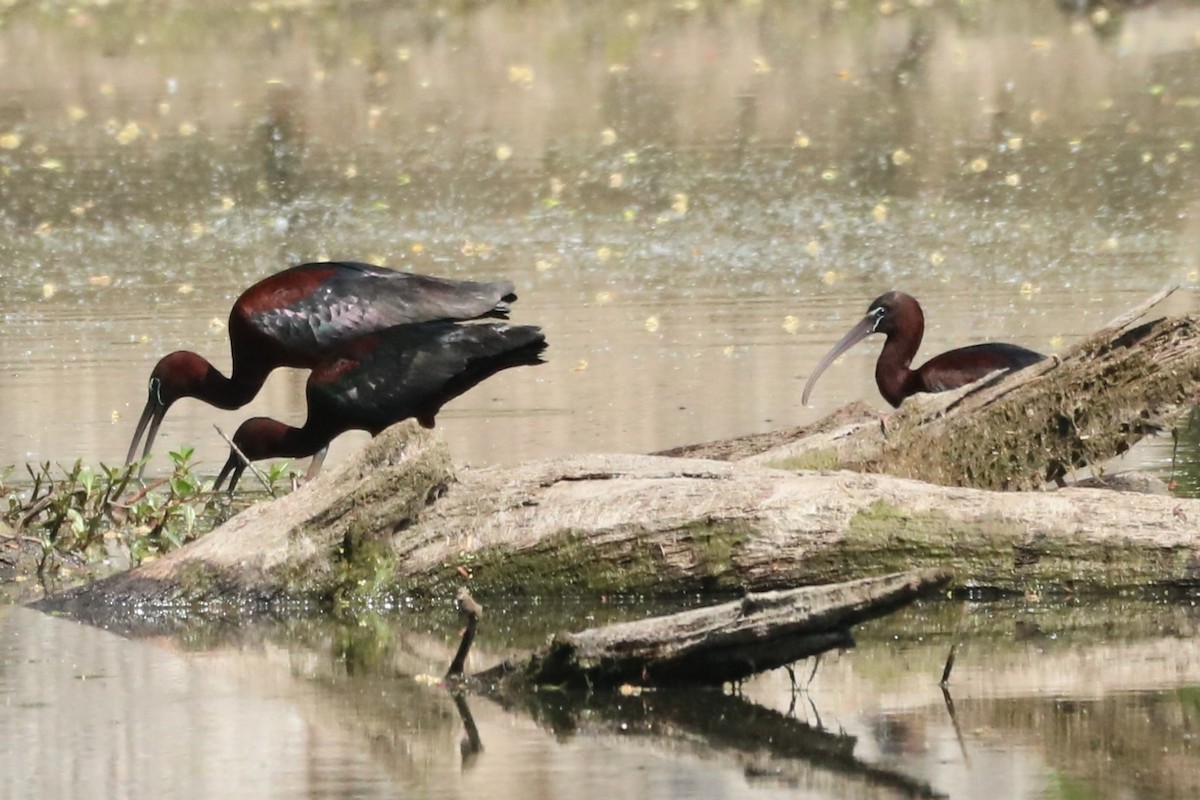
695	200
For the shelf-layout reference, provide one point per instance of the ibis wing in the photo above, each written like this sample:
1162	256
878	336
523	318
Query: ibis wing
387	297
412	370
964	365
313	308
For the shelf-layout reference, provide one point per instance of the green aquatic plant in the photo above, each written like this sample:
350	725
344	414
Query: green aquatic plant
83	516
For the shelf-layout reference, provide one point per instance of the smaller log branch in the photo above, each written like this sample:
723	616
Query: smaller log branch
721	643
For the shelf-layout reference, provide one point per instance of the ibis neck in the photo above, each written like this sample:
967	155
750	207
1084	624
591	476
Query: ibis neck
297	442
229	393
893	372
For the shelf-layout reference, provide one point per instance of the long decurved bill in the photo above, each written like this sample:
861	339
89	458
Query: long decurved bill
152	416
862	330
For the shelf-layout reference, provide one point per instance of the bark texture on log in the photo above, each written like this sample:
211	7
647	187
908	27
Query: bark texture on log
726	642
645	524
397	519
638	524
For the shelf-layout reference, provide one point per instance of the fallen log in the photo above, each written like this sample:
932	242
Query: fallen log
715	644
395	522
398	519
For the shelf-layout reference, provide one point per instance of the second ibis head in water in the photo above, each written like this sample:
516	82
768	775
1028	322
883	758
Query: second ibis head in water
379	379
898	316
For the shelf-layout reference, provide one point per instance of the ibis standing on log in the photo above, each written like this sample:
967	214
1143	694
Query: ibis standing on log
898	316
296	317
382	378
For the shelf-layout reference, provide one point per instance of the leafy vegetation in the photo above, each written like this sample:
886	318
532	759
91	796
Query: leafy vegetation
88	517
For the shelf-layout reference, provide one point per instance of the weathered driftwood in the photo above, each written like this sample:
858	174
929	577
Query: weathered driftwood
716	644
607	524
397	519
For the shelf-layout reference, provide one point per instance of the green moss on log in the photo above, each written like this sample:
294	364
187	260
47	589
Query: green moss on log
996	553
197	579
631	560
364	569
823	458
1102	398
304	579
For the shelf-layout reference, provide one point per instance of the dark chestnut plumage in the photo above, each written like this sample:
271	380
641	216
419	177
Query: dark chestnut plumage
294	318
382	378
898	316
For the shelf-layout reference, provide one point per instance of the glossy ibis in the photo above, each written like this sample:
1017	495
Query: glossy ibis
294	318
898	316
379	379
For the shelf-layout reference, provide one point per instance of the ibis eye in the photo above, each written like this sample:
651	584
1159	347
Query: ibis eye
156	390
876	315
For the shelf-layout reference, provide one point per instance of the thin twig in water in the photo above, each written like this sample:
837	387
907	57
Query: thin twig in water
962	743
816	714
469	608
1175	446
1174	456
813	674
471	745
949	665
139	494
945	684
257	472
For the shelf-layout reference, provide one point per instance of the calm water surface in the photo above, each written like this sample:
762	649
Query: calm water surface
695	200
1046	701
